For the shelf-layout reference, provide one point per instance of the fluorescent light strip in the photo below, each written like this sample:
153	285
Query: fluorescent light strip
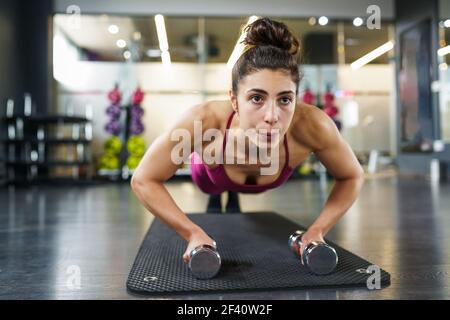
239	47
372	55
165	57
443	51
161	30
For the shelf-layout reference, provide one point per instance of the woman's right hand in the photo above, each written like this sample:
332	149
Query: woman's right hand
198	238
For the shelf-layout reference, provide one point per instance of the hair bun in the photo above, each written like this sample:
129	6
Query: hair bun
268	32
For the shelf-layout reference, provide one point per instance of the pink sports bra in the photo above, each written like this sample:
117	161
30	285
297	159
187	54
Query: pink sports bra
216	180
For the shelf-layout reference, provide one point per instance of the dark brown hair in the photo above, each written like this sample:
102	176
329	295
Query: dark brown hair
272	46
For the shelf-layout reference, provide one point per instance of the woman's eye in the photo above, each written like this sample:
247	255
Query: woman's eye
256	99
286	101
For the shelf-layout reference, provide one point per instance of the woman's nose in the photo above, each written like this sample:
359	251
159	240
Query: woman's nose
271	116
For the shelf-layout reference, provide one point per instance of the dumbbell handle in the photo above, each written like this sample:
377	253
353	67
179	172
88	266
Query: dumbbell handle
201	247
295	244
205	246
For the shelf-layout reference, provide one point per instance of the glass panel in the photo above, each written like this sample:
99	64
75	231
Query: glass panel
361	40
182	35
415	97
318	43
222	35
444	75
97	38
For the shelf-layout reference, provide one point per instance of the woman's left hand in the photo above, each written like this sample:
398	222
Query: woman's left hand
313	234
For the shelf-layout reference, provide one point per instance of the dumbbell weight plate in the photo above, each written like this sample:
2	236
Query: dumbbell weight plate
320	258
204	262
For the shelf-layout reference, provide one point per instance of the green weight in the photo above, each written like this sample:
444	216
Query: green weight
113	145
305	169
133	162
109	161
136	146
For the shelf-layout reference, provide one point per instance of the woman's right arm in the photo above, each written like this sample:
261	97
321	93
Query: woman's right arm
157	166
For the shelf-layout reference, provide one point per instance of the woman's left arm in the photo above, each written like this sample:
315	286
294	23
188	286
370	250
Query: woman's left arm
336	155
340	161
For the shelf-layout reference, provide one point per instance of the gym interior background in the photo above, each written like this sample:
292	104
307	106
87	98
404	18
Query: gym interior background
87	86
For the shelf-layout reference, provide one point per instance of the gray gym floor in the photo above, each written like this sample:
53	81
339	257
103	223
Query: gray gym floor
401	223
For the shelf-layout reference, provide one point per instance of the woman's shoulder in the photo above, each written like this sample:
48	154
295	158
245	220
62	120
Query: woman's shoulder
211	114
220	109
311	126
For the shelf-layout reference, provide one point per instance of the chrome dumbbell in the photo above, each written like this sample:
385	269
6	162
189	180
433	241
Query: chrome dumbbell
318	257
204	261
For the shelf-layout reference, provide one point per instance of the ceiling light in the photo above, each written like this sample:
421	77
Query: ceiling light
161	30
372	55
312	21
113	29
357	22
165	57
154	53
323	20
444	51
121	43
137	35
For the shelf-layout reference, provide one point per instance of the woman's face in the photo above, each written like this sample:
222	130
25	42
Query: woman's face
265	101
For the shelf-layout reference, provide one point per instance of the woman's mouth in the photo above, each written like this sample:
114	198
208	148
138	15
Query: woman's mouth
269	136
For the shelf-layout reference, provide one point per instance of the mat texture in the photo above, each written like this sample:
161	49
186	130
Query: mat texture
255	256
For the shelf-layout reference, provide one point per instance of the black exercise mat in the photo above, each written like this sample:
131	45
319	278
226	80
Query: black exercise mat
255	256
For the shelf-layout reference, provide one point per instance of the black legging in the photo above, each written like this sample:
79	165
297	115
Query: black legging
215	204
